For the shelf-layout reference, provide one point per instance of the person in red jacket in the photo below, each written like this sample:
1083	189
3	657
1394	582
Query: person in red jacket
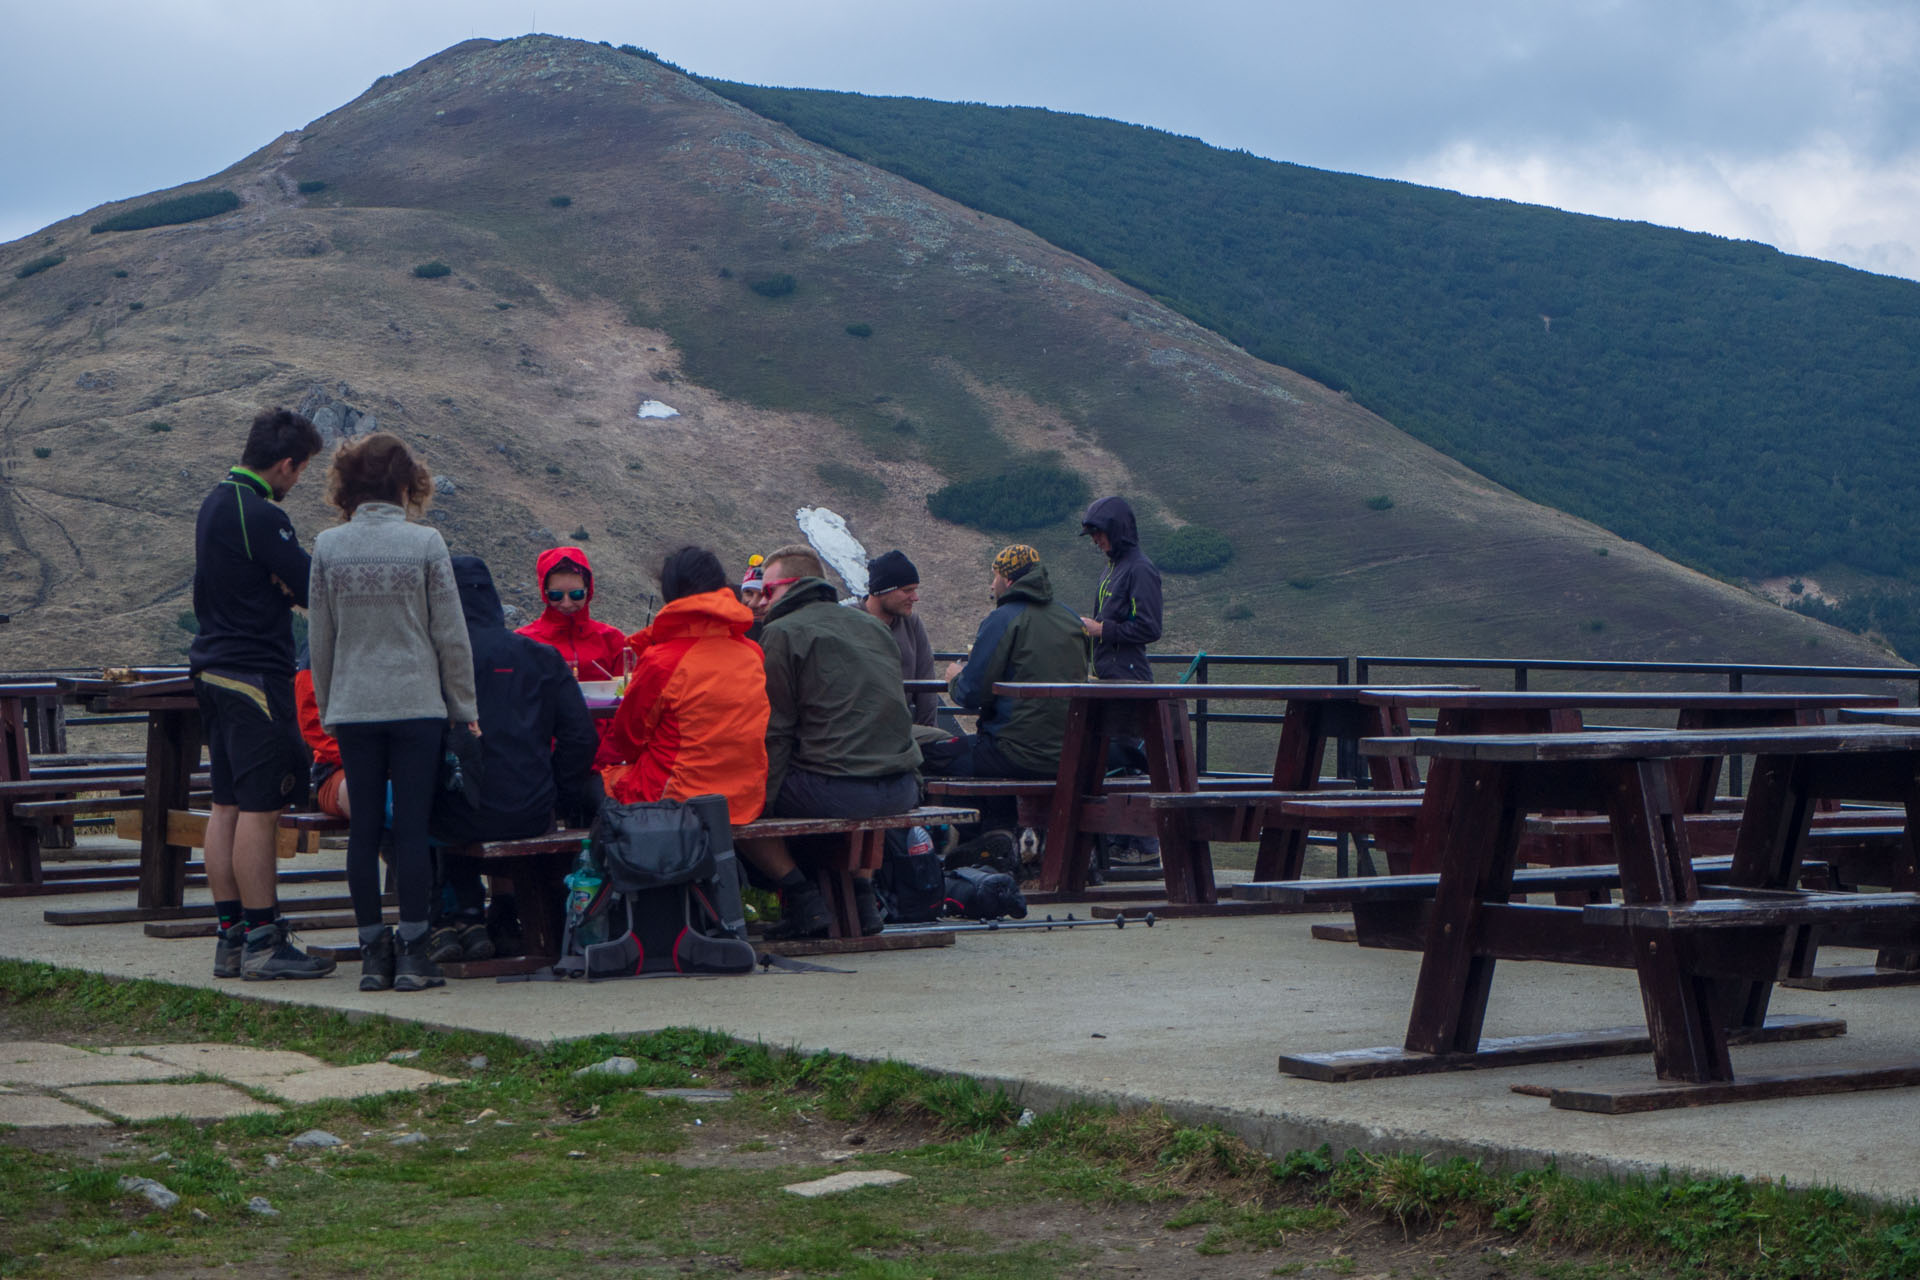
329	779
694	720
595	650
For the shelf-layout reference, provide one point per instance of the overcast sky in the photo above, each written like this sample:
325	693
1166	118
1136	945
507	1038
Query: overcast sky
1787	121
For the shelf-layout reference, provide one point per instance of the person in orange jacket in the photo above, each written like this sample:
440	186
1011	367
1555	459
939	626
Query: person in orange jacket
329	778
595	650
694	720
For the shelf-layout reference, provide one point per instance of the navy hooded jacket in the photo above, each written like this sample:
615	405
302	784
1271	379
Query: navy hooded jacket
536	737
1127	604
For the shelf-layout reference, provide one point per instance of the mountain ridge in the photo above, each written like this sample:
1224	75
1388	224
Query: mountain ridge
519	374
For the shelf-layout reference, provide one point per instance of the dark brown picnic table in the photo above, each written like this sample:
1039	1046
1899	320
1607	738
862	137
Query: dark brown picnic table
1157	714
1706	962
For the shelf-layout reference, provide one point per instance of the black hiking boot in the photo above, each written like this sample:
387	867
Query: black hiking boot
443	943
376	963
413	967
270	955
803	914
475	942
867	903
228	947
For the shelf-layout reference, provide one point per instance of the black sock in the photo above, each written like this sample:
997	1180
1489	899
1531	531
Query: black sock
257	916
228	914
794	879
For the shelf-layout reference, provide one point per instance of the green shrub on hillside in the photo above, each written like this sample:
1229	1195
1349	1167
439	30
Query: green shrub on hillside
312	186
852	481
432	270
861	330
42	451
159	426
1193	549
136	306
119	275
1380	502
166	213
40	264
1030	498
773	286
560	202
187	622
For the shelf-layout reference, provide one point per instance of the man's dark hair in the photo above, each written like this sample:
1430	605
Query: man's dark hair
279	433
689	572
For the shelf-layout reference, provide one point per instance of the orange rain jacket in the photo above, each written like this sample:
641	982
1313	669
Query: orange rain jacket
694	721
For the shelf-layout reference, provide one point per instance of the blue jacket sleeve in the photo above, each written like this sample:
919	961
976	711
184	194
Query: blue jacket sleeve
972	687
1133	615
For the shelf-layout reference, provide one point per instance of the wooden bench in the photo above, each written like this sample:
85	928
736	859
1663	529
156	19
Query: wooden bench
29	805
538	866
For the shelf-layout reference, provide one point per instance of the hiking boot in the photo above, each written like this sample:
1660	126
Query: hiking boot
443	943
995	849
270	954
475	942
413	966
503	927
228	946
803	914
376	963
867	903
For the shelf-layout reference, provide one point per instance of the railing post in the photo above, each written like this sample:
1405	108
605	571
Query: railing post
1519	679
1736	783
1200	718
1361	674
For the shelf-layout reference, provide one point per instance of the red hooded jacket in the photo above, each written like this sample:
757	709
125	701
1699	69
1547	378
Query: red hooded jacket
694	720
593	649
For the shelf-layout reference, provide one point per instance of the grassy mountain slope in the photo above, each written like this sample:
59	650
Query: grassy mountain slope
1735	408
830	333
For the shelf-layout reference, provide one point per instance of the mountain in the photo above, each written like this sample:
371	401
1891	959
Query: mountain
1742	410
508	251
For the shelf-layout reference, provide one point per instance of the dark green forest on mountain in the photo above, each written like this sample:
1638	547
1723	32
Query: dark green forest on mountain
1735	408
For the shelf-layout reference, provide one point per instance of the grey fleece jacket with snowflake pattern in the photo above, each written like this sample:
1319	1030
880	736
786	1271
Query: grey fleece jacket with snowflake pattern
385	629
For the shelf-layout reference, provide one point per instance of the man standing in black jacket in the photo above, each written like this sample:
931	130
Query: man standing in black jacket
537	743
249	572
1126	610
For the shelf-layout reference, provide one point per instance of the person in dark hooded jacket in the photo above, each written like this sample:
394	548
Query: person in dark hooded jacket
537	744
1126	610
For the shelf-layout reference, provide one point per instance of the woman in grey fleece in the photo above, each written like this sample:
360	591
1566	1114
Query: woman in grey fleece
391	666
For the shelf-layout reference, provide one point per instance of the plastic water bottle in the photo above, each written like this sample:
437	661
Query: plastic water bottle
583	885
919	841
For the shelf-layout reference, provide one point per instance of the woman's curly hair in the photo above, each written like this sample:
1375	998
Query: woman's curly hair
377	468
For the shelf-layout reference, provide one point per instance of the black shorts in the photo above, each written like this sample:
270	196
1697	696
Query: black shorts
259	761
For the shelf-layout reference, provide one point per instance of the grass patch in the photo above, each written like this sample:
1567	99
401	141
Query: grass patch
165	213
646	1190
159	426
1030	497
1380	502
778	286
45	262
560	202
860	330
432	270
1192	549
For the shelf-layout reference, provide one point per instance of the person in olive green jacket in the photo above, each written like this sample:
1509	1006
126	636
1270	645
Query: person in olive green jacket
1029	637
840	738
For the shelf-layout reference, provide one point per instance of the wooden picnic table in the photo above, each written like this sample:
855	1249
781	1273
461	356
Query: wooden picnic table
173	755
1157	714
1706	971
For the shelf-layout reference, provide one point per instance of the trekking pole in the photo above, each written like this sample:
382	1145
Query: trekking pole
1049	923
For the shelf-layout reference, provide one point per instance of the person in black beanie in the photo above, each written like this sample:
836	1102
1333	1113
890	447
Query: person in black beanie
893	588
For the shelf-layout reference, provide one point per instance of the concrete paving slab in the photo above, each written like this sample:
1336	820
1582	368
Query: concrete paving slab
851	1181
1192	1015
87	1068
363	1081
34	1111
204	1101
14	1053
229	1061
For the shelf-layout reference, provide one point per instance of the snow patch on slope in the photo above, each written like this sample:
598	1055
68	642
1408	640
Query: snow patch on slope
827	534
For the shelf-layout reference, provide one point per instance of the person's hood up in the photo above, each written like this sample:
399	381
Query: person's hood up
707	613
1113	517
1033	586
550	560
802	593
479	600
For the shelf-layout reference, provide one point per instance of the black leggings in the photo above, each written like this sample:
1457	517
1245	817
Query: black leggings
407	752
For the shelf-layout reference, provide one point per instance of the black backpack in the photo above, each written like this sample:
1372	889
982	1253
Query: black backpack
671	902
976	893
913	885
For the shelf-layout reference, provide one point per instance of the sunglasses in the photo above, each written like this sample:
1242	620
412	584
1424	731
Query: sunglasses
771	583
578	593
